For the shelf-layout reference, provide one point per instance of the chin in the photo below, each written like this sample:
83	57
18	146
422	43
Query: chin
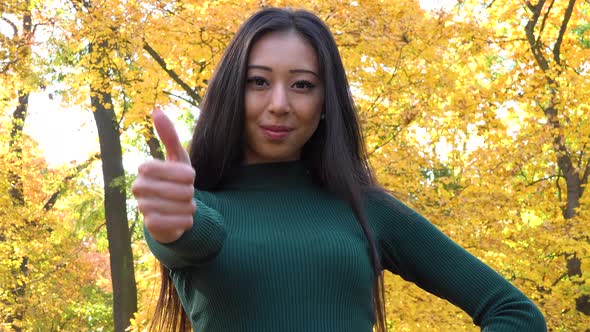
272	157
281	158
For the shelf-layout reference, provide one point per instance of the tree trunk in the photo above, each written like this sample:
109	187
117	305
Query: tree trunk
18	200
152	142
118	235
574	182
18	123
16	182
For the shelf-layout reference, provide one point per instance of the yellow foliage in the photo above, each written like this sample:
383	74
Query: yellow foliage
454	106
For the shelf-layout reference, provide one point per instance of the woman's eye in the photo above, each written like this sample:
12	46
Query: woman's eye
303	85
257	81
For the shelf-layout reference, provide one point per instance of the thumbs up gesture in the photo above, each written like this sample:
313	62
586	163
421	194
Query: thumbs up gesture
164	189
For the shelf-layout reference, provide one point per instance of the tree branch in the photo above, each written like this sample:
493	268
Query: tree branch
60	265
530	33
152	142
387	141
562	29
196	99
558	186
544	20
556	281
584	179
14	27
530	6
393	75
582	155
586	172
5	69
179	97
51	201
543	179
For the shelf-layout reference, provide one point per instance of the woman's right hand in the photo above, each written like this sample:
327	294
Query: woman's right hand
164	189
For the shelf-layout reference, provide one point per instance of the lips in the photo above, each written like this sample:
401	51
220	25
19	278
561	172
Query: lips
277	128
275	133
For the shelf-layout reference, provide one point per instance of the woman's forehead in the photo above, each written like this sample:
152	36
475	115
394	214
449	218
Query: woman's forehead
284	49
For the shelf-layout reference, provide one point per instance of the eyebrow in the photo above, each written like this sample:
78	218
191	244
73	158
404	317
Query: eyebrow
291	70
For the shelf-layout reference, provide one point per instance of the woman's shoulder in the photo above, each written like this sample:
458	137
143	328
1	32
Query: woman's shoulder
382	201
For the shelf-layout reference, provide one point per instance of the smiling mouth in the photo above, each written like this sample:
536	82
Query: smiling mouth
276	133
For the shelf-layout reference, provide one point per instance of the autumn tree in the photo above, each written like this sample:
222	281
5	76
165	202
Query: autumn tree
103	55
476	116
540	81
16	61
38	248
564	106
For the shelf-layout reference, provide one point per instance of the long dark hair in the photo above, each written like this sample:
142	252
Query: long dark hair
335	153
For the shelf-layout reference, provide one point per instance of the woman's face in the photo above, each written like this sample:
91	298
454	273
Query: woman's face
284	97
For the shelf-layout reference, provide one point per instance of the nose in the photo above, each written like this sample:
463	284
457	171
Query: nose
279	100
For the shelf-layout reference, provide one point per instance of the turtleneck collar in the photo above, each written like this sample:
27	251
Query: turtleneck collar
268	176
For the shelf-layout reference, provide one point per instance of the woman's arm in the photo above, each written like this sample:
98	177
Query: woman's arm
197	245
180	229
415	249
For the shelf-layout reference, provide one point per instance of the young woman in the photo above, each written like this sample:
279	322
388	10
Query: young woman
274	222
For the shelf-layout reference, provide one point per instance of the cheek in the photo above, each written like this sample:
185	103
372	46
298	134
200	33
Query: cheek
310	121
252	110
249	106
313	111
250	119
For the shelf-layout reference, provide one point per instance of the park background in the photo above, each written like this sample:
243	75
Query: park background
475	113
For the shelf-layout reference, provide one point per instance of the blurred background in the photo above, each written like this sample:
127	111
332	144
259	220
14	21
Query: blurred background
476	113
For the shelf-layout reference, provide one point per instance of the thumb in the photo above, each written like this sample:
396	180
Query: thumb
165	128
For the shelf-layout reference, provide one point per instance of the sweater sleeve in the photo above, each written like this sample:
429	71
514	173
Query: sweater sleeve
416	250
197	245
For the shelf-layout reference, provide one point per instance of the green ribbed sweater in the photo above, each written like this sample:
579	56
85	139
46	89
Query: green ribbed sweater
274	252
